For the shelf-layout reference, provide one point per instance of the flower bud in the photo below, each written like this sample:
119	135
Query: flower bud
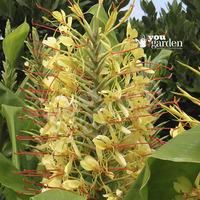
51	42
102	142
68	168
90	164
123	109
54	182
125	130
71	184
120	159
60	16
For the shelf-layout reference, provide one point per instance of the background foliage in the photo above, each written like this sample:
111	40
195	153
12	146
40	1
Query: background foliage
179	22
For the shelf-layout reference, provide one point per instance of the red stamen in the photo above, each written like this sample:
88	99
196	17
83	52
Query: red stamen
124	146
32	190
130	96
42	74
35	98
34	90
157	64
162	78
31	153
39	123
45	27
43	9
126	119
158	140
36	138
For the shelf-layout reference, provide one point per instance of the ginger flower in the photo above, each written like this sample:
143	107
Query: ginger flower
96	106
90	164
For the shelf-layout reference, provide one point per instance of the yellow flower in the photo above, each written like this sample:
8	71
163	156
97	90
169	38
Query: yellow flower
110	96
119	193
76	150
59	146
103	116
54	182
77	10
51	42
102	142
132	33
111	175
177	131
60	16
143	148
138	53
48	161
62	101
125	130
110	196
51	83
71	184
90	164
120	159
68	168
68	80
67	41
123	109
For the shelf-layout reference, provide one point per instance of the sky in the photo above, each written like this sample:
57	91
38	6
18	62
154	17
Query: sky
138	13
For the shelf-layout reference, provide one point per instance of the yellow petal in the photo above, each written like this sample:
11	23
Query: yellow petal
60	16
51	42
71	184
111	21
177	131
99	118
123	109
68	168
120	159
138	53
54	182
131	32
50	82
125	130
48	162
102	142
76	150
90	164
67	41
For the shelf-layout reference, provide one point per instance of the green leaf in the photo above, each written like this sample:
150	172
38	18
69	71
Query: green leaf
162	56
190	68
9	98
6	8
139	188
57	195
10	194
163	176
14	42
15	125
159	184
183	148
164	171
8	175
22	3
11	113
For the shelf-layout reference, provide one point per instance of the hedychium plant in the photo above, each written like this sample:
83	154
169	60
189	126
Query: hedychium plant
96	98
